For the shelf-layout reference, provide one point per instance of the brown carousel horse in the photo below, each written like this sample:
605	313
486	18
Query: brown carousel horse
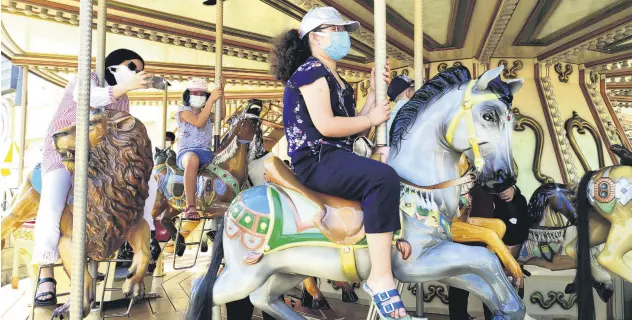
119	168
219	182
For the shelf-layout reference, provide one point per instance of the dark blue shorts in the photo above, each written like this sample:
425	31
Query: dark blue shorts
204	155
344	174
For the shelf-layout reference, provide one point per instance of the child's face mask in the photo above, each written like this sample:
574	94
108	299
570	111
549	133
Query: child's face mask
197	101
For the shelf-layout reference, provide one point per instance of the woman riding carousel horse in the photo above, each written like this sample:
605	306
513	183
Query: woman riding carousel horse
321	124
123	73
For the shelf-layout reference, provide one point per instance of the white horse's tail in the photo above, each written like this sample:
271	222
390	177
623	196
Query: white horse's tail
201	304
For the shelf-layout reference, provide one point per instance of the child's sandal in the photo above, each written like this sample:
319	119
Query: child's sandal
385	309
191	213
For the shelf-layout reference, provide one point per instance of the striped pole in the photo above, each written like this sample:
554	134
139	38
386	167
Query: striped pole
81	162
379	12
219	51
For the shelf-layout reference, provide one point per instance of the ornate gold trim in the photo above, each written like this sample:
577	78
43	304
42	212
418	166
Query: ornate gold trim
522	122
562	75
505	11
582	126
442	66
364	88
400	71
510	72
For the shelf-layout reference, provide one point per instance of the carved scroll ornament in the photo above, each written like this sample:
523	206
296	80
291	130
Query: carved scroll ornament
523	122
582	126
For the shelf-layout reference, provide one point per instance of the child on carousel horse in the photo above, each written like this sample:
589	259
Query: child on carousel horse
123	73
195	135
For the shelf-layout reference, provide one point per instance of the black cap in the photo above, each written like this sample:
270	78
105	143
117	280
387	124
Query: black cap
398	85
170	136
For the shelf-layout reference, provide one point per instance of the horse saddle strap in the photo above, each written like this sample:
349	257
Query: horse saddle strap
468	178
225	176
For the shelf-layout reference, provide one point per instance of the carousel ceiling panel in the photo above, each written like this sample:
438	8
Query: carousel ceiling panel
247	15
467	34
567	13
437	14
62	39
577	37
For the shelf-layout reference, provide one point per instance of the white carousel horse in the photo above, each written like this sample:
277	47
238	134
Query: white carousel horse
276	235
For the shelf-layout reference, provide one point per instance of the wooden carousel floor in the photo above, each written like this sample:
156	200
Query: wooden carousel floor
174	290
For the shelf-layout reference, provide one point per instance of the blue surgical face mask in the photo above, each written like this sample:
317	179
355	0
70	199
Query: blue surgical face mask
339	46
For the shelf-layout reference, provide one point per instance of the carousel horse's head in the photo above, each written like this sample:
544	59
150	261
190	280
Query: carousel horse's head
472	117
161	155
244	128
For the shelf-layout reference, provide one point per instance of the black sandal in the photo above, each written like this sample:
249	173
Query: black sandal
49	302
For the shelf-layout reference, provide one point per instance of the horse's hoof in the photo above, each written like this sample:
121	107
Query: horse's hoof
604	292
62	312
570	288
154	248
152	266
350	297
320	304
181	246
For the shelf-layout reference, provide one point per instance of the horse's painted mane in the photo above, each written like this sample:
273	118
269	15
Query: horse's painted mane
433	89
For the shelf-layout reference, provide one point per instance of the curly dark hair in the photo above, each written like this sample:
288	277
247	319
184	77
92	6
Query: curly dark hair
289	52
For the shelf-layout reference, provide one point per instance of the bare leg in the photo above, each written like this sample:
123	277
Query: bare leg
381	276
267	299
191	165
46	286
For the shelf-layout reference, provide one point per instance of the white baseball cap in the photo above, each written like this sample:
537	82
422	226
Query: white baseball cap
325	15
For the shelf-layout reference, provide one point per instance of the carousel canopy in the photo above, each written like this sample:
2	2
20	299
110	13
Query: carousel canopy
177	39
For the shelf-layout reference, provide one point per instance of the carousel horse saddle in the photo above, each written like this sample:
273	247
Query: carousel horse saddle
340	220
175	180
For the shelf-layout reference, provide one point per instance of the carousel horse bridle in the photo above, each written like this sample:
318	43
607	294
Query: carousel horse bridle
468	103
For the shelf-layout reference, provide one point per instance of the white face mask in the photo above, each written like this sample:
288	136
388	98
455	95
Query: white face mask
121	73
197	101
168	144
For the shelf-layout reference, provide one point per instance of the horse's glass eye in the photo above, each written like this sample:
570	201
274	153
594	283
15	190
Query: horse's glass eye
488	117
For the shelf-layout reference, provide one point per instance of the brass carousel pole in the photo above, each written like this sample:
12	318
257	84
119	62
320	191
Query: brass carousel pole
101	18
419	79
379	14
219	51
81	162
22	137
163	120
379	22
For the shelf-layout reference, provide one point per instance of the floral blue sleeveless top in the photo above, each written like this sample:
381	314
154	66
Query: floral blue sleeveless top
303	139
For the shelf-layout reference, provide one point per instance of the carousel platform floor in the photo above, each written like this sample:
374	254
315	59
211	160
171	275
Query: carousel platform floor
174	290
